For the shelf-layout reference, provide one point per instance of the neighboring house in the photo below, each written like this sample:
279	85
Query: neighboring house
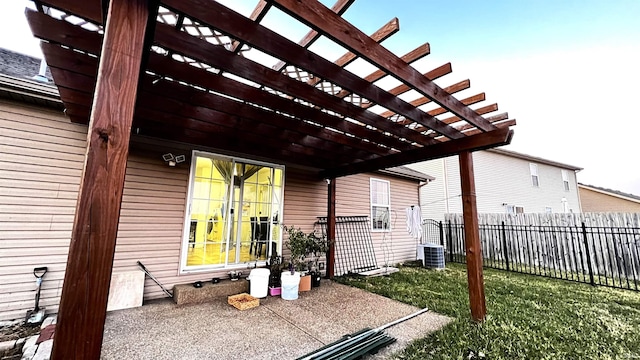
598	199
178	220
506	182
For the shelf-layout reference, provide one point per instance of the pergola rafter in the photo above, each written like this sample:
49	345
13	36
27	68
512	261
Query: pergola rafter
201	82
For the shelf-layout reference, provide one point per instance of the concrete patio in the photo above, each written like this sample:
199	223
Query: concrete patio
277	329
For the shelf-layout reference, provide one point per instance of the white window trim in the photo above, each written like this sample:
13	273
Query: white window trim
513	209
533	169
371	204
183	269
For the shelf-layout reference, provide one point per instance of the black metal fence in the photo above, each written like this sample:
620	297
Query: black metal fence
607	256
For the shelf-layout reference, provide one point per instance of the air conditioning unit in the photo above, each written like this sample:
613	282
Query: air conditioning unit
433	256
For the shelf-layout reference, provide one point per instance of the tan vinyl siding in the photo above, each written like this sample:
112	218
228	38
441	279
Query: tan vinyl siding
352	198
305	199
594	201
42	155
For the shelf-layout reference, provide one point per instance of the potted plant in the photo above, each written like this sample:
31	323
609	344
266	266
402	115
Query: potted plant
276	265
298	245
317	247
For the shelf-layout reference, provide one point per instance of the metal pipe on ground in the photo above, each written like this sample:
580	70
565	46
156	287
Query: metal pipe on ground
167	292
358	344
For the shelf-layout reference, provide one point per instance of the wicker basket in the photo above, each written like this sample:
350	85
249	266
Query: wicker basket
243	301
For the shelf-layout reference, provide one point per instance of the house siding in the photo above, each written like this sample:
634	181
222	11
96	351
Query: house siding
593	201
434	193
42	156
499	179
353	199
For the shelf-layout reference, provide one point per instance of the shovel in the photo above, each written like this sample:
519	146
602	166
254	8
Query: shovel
36	316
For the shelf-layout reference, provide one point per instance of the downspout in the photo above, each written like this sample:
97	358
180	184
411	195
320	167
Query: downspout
575	176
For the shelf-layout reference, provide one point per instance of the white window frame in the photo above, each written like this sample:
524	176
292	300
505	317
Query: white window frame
513	209
535	179
183	268
372	204
565	180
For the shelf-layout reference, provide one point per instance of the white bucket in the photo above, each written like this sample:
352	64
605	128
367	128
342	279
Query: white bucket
290	285
259	282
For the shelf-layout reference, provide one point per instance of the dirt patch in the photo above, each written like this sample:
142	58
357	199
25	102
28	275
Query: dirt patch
15	332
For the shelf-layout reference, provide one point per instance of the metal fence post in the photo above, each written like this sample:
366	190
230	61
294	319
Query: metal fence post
450	241
586	247
504	245
441	233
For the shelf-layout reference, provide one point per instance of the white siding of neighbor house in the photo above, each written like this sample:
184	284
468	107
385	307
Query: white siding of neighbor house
41	160
499	179
434	193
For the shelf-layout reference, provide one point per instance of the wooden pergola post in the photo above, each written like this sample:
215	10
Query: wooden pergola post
472	238
83	305
331	227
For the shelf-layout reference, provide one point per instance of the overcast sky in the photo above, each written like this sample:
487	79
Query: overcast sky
568	70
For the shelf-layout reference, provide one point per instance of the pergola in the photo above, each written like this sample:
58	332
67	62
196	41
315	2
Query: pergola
189	71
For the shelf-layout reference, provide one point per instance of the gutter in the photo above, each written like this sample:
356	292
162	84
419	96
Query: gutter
30	89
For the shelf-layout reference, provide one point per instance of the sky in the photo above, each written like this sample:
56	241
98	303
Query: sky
568	71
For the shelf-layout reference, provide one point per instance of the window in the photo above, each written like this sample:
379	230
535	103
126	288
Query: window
534	174
232	215
565	180
512	209
380	207
548	210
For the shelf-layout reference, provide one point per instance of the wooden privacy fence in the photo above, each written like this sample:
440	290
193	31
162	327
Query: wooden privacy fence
597	255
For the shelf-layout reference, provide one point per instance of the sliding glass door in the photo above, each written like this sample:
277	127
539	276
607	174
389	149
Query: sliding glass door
233	214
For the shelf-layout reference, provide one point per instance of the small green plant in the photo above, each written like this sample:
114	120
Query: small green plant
318	247
304	246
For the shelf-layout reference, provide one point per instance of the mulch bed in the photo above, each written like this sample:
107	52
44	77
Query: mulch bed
15	332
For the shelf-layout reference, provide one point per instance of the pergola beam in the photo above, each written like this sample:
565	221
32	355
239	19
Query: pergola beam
218	57
413	55
317	16
480	141
89	10
339	8
87	65
266	40
261	9
185	72
451	89
388	29
83	303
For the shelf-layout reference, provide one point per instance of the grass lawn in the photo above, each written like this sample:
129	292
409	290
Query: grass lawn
528	317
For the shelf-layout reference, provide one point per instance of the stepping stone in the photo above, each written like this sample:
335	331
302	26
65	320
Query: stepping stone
46	333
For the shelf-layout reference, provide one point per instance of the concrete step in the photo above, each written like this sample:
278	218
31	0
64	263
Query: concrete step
187	294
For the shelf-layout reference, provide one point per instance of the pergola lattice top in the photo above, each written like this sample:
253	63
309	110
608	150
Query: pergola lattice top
198	85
